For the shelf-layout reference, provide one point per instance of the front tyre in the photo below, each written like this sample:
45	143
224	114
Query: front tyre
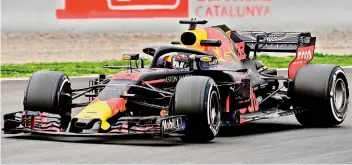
322	90
50	92
198	98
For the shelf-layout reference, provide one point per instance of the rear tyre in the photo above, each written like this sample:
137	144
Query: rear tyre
49	91
197	97
322	90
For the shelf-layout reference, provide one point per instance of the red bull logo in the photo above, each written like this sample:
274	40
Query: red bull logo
102	110
224	53
117	105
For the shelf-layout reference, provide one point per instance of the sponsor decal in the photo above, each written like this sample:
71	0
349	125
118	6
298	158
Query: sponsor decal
113	90
278	37
303	57
222	53
88	9
232	8
226	51
241	55
173	79
109	93
117	105
254	106
173	124
274	46
205	59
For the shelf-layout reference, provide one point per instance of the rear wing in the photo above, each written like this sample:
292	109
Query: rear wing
303	44
259	41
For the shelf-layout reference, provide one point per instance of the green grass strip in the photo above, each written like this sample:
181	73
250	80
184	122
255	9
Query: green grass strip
283	62
92	68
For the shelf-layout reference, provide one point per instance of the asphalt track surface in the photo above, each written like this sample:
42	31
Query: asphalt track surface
280	140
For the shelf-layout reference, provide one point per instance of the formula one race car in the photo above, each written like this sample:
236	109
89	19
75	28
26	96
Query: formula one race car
204	81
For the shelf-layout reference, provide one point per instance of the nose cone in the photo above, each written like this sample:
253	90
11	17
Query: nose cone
98	110
102	110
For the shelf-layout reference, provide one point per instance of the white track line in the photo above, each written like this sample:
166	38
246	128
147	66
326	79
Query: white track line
93	76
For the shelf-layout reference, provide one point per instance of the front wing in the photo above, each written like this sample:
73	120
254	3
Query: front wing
49	124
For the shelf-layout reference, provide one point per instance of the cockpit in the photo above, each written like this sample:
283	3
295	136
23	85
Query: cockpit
181	60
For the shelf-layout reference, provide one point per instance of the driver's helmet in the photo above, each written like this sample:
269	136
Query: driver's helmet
181	60
174	60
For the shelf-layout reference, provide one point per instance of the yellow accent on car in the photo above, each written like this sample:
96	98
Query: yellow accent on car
205	59
126	57
200	34
169	58
228	33
98	110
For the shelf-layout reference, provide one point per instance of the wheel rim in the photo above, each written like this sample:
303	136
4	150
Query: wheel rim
65	87
65	113
340	94
214	112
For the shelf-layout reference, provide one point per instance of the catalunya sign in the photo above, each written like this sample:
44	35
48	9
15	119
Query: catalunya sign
101	9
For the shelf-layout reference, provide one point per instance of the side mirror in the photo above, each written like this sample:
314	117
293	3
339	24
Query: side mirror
129	57
133	57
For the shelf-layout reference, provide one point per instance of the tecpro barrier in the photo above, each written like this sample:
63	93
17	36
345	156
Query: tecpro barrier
163	15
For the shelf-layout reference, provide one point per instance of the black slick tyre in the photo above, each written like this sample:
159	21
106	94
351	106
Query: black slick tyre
49	91
197	97
322	91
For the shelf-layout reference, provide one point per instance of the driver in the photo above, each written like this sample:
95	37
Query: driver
174	60
165	61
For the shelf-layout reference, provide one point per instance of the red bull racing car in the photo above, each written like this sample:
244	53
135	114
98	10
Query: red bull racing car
194	86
